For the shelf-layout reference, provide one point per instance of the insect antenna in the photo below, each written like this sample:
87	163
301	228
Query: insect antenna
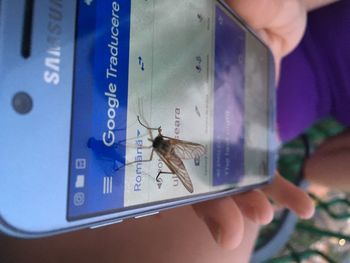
148	128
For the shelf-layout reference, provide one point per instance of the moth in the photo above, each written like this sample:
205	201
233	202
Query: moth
172	151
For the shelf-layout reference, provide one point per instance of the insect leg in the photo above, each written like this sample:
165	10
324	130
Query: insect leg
125	141
133	145
142	161
161	172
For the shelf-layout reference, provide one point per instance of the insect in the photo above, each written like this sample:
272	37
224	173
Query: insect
172	151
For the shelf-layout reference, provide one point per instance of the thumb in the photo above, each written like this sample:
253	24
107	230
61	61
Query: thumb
281	23
224	220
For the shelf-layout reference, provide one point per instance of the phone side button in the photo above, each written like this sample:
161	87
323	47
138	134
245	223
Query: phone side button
148	214
106	224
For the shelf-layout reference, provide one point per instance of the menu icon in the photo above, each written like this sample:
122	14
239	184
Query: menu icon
107	185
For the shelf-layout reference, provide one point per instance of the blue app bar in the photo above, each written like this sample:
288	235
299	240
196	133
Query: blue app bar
100	107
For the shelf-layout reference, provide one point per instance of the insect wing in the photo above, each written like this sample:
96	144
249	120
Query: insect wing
175	164
187	150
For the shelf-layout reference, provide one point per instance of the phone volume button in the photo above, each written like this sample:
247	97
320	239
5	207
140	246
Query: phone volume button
106	224
148	214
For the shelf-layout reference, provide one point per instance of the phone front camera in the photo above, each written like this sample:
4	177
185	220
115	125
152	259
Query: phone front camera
22	103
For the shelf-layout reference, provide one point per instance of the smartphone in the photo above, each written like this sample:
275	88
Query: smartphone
122	108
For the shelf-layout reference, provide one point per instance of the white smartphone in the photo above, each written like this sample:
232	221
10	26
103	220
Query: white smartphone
122	108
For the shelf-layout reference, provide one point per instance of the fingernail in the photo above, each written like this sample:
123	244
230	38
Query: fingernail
254	216
307	214
214	229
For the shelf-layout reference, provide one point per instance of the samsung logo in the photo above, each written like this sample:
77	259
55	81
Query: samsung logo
53	52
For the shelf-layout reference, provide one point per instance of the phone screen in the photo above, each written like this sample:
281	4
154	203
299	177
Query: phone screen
186	67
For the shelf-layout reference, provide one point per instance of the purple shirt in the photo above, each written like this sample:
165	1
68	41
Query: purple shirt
315	78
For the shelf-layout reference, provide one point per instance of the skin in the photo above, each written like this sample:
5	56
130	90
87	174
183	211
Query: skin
331	158
314	4
174	236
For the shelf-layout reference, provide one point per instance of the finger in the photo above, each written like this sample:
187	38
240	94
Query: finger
224	220
282	22
290	196
255	206
257	13
274	43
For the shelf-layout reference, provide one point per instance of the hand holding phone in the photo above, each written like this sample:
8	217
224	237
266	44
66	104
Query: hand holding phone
281	24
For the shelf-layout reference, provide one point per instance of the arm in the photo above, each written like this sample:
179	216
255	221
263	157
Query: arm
314	4
330	164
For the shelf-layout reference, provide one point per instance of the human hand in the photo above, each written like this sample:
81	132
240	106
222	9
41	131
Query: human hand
224	217
281	24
